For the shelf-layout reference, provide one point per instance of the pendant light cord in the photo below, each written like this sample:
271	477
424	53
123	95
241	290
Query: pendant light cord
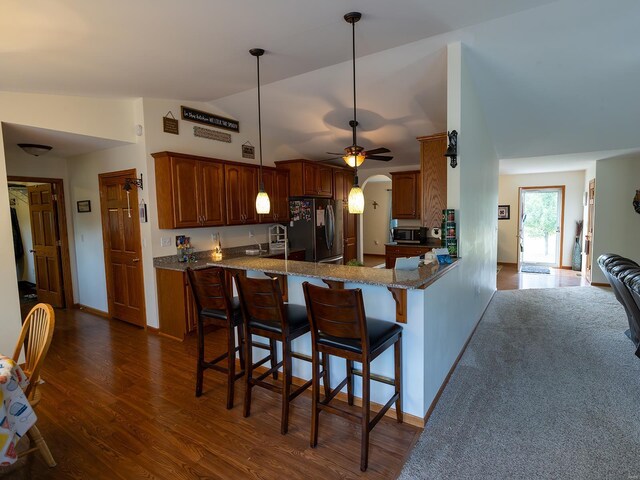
355	121
259	125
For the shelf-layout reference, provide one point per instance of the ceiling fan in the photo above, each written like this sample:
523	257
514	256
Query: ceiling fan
354	154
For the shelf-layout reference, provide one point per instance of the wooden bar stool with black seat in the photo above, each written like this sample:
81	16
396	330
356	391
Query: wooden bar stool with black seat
265	314
339	327
216	309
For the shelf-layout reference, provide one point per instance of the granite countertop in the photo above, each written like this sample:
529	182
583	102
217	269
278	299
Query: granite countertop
404	279
170	262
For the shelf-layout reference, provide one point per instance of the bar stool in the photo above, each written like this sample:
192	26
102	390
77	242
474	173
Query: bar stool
216	309
339	327
266	315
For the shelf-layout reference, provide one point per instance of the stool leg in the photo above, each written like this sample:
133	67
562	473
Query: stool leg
315	398
200	364
273	356
286	385
350	381
364	442
231	364
397	351
241	345
326	375
248	375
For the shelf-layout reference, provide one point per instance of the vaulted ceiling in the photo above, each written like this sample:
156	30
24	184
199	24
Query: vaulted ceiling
555	78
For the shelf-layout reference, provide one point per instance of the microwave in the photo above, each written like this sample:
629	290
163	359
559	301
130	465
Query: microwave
410	235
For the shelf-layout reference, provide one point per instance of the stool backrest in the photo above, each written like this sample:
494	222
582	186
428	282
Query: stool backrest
261	300
209	289
336	312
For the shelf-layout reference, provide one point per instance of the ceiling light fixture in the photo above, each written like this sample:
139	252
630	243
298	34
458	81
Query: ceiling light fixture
263	205
34	149
354	156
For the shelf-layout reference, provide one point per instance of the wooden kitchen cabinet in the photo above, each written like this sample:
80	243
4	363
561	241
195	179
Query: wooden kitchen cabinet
177	312
241	185
307	178
433	165
343	181
190	191
406	196
276	184
403	251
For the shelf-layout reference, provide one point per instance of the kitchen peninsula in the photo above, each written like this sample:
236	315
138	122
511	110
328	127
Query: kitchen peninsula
389	295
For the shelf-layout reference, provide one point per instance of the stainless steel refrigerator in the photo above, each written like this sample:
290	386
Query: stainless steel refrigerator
316	226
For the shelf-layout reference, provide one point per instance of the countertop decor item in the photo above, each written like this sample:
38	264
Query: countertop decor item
636	202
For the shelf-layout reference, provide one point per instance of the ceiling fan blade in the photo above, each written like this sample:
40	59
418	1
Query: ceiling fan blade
375	151
334	153
384	158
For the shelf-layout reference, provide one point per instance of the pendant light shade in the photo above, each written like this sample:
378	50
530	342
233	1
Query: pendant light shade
356	199
263	204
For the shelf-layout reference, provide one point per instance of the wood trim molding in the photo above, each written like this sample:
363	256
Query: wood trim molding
91	310
435	136
598	284
400	297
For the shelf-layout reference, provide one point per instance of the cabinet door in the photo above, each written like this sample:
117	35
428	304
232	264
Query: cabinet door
309	179
350	219
434	178
233	188
211	193
184	175
249	188
269	180
281	202
350	249
404	195
324	181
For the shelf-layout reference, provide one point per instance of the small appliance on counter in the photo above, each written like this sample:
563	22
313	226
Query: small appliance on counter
410	235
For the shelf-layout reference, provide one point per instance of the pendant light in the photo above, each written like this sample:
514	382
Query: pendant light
354	157
263	205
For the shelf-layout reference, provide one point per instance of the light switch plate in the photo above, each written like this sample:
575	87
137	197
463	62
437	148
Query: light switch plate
165	241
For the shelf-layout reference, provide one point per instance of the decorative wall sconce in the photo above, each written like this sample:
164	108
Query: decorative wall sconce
129	183
636	202
452	149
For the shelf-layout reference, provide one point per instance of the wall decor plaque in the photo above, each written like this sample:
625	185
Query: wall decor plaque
211	134
84	206
198	116
248	150
170	124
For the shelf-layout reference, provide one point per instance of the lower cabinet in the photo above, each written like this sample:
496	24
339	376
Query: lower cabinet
403	251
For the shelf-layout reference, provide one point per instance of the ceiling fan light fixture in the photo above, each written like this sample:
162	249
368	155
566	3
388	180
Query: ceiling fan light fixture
353	160
35	149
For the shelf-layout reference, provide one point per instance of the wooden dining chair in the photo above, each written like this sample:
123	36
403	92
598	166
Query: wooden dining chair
35	339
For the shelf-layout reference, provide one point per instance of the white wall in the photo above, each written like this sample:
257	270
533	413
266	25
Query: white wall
463	294
375	232
617	225
573	209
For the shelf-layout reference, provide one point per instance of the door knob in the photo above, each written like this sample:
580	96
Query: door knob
32	251
135	260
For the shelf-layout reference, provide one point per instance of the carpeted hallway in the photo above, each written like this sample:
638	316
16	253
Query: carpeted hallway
549	387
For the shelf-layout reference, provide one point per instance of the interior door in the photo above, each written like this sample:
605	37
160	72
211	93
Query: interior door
122	248
46	244
588	241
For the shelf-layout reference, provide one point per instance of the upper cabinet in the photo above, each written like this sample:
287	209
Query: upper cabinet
406	197
241	182
190	191
433	165
276	184
307	178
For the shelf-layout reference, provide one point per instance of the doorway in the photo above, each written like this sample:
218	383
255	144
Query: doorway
588	238
122	247
41	241
540	229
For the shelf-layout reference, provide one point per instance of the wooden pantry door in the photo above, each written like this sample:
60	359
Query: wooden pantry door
122	248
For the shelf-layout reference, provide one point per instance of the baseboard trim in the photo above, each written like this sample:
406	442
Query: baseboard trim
375	407
508	264
455	364
566	268
598	284
91	310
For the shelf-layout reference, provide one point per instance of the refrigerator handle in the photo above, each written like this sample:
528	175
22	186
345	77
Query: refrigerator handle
329	230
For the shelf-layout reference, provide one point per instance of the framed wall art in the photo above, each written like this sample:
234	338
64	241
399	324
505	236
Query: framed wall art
504	212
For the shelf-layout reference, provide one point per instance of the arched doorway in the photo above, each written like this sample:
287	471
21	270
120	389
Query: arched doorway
375	221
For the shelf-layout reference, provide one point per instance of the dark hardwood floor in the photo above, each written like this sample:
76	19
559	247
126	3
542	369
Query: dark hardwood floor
510	279
119	403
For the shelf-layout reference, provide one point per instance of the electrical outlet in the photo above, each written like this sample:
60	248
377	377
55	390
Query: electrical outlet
165	241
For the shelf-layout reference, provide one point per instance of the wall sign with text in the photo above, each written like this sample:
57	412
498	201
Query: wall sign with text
198	116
